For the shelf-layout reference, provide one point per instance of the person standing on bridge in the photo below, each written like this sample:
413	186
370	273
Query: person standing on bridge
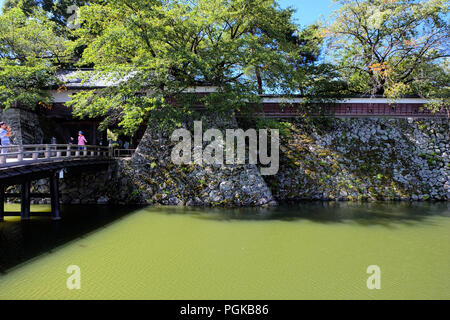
5	134
81	141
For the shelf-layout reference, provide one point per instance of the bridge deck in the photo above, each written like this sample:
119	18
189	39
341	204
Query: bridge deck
34	161
25	163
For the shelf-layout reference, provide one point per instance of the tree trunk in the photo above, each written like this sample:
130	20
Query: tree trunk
259	80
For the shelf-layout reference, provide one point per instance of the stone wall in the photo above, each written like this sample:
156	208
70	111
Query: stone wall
162	182
150	177
32	127
364	159
25	125
94	185
320	159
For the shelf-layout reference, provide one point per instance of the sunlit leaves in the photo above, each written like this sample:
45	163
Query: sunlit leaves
29	52
394	47
239	47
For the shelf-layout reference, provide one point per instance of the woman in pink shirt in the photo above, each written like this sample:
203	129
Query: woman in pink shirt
81	141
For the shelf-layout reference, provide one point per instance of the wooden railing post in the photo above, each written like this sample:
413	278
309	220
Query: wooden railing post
69	150
111	151
47	151
35	155
20	155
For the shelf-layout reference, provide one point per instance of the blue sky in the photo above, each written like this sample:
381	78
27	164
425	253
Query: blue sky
308	11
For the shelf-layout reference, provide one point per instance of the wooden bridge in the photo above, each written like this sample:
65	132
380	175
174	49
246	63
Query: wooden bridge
26	163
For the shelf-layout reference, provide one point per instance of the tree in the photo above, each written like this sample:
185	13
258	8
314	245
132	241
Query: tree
64	14
29	53
392	47
153	51
59	11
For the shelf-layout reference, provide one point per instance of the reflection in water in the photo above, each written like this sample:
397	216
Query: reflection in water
23	240
309	250
367	213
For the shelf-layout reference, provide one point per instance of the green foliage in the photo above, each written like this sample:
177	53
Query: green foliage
28	55
155	50
111	135
392	47
432	158
423	127
58	11
267	123
134	194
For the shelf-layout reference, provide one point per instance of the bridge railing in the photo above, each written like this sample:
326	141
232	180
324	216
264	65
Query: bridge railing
22	153
123	153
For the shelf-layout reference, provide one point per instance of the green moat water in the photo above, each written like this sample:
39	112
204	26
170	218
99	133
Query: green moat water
302	251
